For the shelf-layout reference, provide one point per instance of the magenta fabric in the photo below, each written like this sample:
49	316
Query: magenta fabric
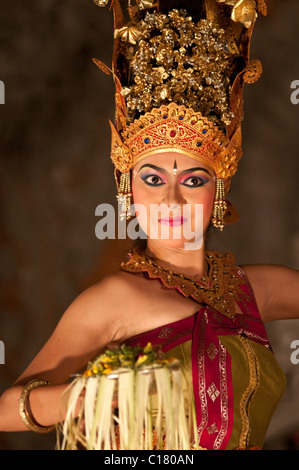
211	363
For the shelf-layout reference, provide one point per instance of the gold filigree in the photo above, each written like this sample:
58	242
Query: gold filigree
146	4
213	392
220	289
253	71
180	129
102	66
212	429
244	12
128	34
197	61
262	7
101	3
254	380
212	351
121	155
165	332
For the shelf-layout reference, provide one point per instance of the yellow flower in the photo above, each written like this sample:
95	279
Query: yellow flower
127	362
87	373
148	348
141	359
105	358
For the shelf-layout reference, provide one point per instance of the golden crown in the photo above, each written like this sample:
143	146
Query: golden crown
179	75
179	129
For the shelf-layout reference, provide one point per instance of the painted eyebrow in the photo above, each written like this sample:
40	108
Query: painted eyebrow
165	171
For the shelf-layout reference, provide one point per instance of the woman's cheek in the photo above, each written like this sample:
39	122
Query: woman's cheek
206	199
141	206
208	203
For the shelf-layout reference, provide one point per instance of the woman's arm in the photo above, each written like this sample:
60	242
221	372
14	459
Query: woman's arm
276	289
90	323
45	405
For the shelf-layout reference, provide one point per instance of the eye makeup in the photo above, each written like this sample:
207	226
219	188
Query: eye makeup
156	180
201	180
153	179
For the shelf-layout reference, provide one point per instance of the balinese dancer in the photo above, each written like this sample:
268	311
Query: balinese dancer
179	69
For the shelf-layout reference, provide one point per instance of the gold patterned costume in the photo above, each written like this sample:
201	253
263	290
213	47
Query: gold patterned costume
228	384
227	359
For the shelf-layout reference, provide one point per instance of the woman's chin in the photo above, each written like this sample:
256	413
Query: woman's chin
181	243
176	237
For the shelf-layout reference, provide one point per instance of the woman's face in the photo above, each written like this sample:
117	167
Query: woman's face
173	196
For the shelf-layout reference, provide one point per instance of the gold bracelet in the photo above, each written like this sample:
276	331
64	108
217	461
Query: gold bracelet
23	401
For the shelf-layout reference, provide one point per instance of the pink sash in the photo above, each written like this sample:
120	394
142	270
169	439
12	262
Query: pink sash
211	363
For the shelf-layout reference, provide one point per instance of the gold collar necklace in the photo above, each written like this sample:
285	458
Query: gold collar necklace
219	289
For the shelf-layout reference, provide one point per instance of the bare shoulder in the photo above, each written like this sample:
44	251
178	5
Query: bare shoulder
90	323
276	289
111	287
101	301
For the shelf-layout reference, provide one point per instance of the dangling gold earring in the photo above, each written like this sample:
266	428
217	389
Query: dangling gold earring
220	205
124	195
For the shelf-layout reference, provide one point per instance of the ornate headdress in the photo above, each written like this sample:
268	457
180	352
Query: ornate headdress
179	69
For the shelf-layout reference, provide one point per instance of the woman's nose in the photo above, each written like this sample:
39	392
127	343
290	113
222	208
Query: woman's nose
173	195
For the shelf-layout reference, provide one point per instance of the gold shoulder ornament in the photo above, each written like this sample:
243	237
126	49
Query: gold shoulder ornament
219	289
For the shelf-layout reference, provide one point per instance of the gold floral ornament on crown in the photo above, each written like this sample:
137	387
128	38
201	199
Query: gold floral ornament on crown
101	3
245	11
179	83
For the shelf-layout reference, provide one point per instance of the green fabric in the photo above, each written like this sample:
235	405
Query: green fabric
266	396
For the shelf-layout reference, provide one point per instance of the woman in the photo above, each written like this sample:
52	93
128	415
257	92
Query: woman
193	302
94	319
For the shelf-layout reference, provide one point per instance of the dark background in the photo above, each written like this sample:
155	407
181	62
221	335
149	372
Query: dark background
56	169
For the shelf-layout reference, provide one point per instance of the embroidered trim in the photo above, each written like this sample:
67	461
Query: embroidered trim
224	397
201	376
220	289
213	391
254	381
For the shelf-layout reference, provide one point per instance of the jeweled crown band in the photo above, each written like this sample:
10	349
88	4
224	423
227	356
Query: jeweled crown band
174	128
178	129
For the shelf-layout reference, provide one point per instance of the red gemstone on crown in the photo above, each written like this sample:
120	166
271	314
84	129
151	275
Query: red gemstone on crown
172	133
